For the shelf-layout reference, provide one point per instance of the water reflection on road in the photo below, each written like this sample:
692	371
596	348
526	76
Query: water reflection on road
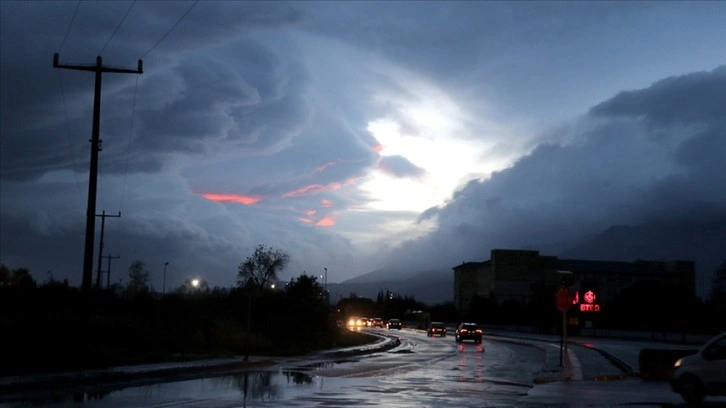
423	372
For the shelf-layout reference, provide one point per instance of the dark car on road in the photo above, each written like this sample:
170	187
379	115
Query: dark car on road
436	329
394	324
468	331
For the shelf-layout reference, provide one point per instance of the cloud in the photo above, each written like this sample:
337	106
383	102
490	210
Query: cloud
642	156
232	198
399	166
269	106
316	189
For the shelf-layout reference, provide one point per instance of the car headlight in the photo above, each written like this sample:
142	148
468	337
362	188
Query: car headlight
678	363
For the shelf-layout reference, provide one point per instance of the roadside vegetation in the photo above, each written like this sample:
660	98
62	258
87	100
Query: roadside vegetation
53	326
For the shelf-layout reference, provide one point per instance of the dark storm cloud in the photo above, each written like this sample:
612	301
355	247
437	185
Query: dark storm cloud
241	95
642	156
183	100
695	98
398	166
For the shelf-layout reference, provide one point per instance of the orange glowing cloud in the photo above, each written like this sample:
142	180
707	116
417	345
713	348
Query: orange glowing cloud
317	188
310	212
233	198
324	166
377	148
326	222
326	203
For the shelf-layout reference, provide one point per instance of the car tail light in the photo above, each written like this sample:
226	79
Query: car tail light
463	330
478	331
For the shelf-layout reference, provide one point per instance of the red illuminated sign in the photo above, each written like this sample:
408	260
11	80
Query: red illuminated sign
589	308
589	305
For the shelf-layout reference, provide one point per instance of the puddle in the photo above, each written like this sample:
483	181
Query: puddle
245	388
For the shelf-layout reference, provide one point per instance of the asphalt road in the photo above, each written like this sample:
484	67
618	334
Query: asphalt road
420	372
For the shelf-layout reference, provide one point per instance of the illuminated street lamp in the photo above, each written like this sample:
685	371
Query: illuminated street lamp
195	283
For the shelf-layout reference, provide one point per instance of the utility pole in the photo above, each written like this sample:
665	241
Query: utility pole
98	69
100	245
108	271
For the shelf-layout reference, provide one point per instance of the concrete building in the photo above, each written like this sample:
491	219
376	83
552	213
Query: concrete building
511	274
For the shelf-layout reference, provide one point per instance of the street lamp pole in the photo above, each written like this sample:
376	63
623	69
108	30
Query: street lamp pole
163	287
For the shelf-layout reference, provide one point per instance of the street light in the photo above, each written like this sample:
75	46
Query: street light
163	285
325	287
195	283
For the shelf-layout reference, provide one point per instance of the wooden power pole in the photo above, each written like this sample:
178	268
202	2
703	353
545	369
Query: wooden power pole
99	68
103	216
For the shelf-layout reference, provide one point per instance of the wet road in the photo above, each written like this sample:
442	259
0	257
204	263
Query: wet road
422	371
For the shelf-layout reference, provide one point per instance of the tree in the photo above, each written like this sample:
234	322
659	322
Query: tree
138	277
261	268
18	277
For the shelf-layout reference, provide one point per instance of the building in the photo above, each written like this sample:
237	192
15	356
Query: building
511	274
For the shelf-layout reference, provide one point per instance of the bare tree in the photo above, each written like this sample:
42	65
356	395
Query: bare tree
261	268
138	277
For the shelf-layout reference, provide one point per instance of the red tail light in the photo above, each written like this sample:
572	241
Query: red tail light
478	331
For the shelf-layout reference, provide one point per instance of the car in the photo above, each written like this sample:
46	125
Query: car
393	324
377	322
436	329
703	373
468	331
354	322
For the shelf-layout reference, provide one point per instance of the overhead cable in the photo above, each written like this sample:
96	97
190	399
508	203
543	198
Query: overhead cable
170	30
117	27
78	5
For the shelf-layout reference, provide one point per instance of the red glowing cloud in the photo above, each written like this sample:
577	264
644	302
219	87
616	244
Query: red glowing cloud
317	188
326	203
324	166
326	222
233	198
305	220
377	148
310	212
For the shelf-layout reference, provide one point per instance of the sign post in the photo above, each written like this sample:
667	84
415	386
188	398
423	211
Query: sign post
564	302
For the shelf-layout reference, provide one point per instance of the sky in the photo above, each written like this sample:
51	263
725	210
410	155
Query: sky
354	136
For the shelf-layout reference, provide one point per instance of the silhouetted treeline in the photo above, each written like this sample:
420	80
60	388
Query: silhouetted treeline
54	326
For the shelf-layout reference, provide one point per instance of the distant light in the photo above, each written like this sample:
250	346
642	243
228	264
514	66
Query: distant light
195	282
272	286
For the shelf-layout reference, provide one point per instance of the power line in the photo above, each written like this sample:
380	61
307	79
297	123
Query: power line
78	5
128	144
117	27
118	231
170	30
68	136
